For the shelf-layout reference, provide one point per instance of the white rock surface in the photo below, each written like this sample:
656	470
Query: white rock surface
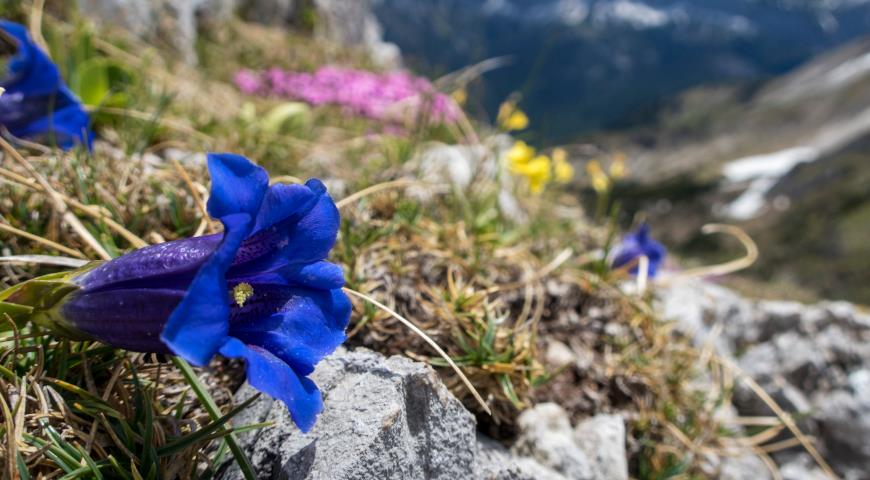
813	360
383	418
602	438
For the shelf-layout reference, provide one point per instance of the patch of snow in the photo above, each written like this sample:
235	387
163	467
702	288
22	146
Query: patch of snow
498	7
763	172
635	14
774	164
572	12
848	71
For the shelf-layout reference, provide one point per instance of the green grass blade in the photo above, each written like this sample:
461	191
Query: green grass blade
205	433
213	410
22	467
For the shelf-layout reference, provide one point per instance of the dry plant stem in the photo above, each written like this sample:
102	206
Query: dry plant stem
196	196
781	445
166	122
561	258
428	340
36	238
758	421
402	182
90	210
768	463
36	24
285	179
58	202
11	444
728	267
784	416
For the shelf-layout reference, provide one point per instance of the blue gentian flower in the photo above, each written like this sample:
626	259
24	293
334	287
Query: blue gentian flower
636	244
261	290
37	105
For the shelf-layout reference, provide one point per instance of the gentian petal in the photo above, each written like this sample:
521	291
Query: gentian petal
127	318
66	127
167	264
310	327
270	375
324	275
294	227
284	202
199	326
30	70
237	185
37	104
320	275
636	244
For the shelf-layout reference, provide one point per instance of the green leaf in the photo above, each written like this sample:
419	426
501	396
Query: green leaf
509	391
211	407
94	468
91	81
285	116
16	313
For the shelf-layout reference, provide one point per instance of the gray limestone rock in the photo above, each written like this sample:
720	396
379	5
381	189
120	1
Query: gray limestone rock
174	21
392	418
353	23
813	360
602	438
382	418
350	23
743	467
547	437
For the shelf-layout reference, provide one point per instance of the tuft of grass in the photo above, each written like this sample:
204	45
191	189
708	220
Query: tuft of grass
84	410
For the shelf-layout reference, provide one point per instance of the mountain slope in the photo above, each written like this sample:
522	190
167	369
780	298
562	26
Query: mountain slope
787	160
583	65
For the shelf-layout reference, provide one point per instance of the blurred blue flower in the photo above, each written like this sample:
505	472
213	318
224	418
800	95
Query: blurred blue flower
636	244
37	105
261	291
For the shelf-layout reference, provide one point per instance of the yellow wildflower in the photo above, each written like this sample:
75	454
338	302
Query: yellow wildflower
600	180
562	169
536	171
519	154
511	118
516	121
617	167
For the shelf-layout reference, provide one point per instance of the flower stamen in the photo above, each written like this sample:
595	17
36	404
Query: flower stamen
242	292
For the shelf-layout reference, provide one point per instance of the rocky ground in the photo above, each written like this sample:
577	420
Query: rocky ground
392	418
813	361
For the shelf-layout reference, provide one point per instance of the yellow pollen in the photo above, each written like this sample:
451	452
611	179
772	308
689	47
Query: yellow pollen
242	292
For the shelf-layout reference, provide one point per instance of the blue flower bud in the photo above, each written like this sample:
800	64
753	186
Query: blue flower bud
637	244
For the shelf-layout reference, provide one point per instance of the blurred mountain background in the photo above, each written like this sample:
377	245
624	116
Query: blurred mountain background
754	112
583	65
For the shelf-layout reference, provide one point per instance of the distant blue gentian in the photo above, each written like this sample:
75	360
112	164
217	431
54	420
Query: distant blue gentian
636	244
261	290
37	105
